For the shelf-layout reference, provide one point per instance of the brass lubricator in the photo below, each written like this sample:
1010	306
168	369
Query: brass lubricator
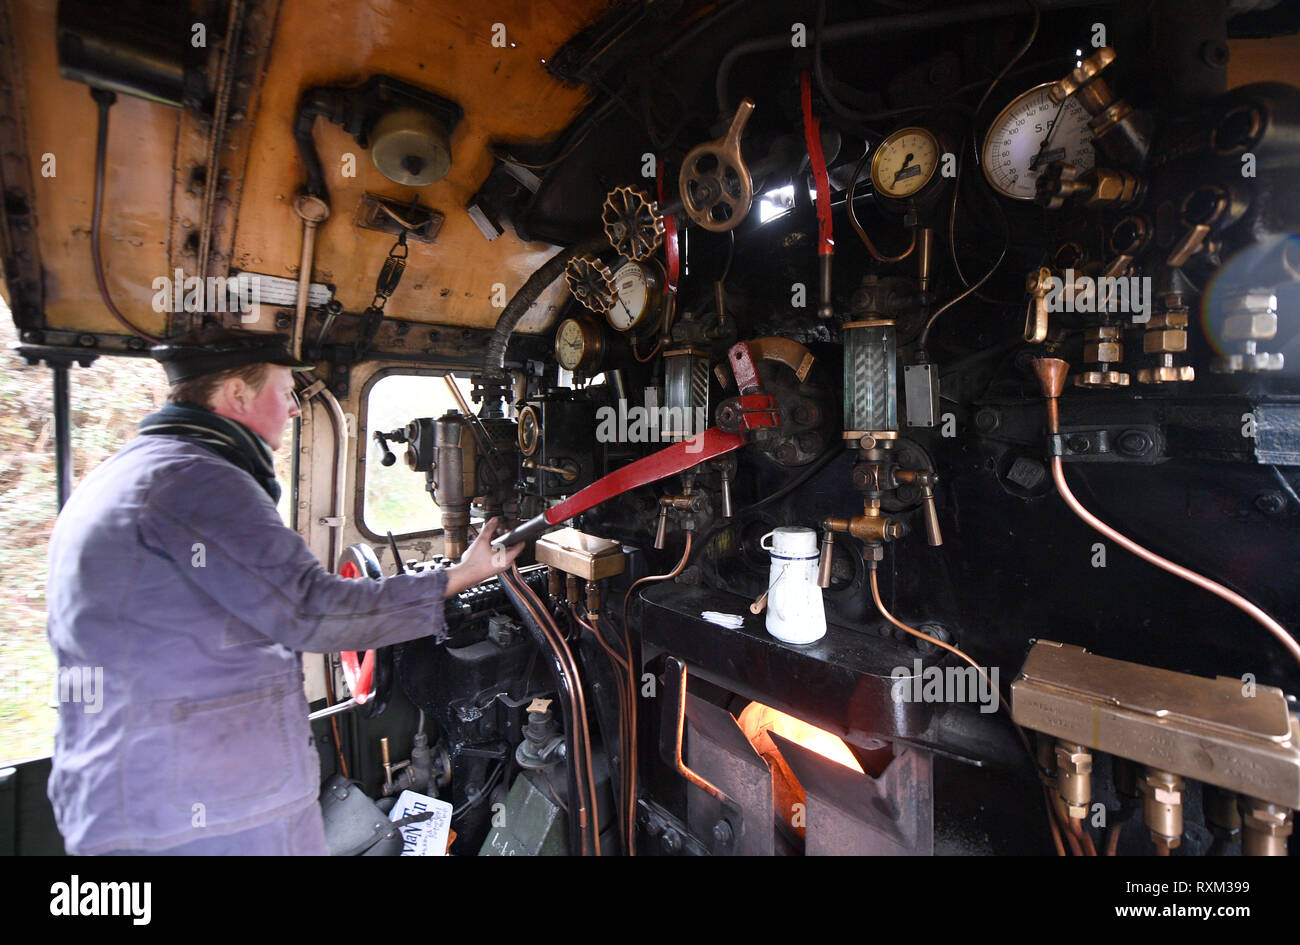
871	421
1166	336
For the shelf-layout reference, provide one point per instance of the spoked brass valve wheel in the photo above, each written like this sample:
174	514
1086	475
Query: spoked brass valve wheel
714	182
591	283
633	224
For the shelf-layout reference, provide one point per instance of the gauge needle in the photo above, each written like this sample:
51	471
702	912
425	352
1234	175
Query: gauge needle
899	173
1051	129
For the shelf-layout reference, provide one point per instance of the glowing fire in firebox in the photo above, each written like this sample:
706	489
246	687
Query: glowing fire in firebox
758	719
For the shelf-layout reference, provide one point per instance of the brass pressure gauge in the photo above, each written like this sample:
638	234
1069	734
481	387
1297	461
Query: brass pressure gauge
638	291
1031	133
530	430
905	163
578	344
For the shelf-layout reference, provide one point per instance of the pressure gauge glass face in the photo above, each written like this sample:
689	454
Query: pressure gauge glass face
905	162
570	344
631	297
1031	133
530	433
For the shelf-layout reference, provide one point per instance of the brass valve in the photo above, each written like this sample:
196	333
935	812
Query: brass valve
1166	336
1103	348
871	526
691	503
926	480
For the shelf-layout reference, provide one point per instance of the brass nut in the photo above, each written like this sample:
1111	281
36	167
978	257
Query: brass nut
1166	374
1108	352
1250	326
1175	318
1080	762
1112	187
1164	341
1103	333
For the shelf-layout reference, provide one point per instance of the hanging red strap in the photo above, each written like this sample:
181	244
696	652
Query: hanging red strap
670	231
813	138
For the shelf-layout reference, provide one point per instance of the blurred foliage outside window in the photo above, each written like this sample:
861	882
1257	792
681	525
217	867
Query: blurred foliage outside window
396	498
106	401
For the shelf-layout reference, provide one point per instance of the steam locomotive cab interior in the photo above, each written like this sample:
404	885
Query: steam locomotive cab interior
899	400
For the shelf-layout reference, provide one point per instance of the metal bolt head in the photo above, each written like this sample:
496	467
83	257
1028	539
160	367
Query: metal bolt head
1271	503
1134	443
722	833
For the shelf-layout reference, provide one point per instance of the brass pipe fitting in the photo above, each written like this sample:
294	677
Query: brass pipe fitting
1074	778
1265	828
1162	806
571	589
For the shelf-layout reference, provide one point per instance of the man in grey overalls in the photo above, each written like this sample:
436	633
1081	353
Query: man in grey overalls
173	580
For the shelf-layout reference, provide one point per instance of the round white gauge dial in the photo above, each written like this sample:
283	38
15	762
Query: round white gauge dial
904	162
570	344
1031	133
632	288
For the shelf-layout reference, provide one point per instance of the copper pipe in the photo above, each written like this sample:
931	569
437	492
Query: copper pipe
1088	847
1051	822
620	682
880	605
631	675
1112	839
567	657
1051	376
682	769
1269	624
862	234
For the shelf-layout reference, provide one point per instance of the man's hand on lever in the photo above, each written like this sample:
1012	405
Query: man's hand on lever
481	561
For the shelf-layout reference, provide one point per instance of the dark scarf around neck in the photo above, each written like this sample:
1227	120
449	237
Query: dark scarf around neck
228	439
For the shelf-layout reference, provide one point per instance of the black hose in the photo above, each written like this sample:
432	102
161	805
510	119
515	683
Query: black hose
494	362
565	687
881	27
104	99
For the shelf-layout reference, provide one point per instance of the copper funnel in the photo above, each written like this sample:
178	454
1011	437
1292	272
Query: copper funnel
1051	375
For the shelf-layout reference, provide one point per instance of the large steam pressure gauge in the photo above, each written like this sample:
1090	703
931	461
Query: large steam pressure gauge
638	292
905	163
1031	133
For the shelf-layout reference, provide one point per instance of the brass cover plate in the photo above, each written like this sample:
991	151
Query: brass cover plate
586	556
1206	729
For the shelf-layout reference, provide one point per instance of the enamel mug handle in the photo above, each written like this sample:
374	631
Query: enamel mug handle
765	538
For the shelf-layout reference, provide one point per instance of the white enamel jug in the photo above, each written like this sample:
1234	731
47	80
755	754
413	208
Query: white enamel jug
794	601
